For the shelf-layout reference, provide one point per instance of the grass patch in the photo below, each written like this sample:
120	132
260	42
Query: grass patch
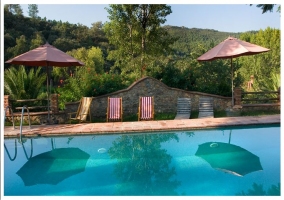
194	114
134	118
217	114
17	123
221	113
260	112
167	116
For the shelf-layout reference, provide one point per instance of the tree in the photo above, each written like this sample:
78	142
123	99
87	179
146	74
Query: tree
137	36
96	33
15	9
266	66
267	7
37	40
20	47
33	10
66	43
77	81
92	58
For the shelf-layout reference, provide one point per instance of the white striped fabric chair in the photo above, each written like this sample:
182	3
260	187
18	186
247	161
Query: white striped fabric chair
83	110
146	108
114	109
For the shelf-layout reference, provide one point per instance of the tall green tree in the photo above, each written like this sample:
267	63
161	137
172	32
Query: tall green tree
20	47
267	7
15	9
37	40
96	33
33	10
78	80
135	31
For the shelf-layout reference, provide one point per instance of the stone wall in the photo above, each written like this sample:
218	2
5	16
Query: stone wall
165	99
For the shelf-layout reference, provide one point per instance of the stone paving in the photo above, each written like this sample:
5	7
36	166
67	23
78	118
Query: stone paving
139	126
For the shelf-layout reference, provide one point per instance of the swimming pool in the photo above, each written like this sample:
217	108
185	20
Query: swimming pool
191	163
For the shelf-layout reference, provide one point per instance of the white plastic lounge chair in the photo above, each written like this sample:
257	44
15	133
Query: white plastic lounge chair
114	109
183	108
146	108
206	107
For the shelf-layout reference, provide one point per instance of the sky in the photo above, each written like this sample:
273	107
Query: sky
237	17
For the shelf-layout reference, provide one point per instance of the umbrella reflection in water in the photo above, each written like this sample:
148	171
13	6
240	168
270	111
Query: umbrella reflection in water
53	166
229	158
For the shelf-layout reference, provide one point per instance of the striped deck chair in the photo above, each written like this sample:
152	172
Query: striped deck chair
146	108
83	110
114	109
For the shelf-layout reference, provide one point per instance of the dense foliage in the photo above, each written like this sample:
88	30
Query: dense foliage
264	67
20	83
134	44
136	33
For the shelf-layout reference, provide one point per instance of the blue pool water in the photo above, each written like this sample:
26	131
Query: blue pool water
212	162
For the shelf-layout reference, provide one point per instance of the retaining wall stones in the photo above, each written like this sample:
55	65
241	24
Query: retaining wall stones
165	99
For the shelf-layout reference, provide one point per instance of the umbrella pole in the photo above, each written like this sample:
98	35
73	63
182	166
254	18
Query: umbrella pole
47	89
232	74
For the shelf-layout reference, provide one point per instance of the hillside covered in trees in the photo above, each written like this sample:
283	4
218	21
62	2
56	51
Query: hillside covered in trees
110	66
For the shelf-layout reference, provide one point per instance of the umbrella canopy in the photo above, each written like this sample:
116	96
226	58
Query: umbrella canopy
45	55
53	166
229	158
232	48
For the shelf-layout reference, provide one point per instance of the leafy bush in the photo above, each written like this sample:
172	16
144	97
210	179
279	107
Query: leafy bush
89	85
22	83
106	83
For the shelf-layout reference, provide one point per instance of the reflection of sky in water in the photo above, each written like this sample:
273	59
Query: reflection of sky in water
196	176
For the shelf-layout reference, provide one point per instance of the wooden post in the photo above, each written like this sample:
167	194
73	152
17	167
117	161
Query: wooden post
7	103
54	103
279	94
238	95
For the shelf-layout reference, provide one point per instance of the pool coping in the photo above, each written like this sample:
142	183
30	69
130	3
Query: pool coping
137	126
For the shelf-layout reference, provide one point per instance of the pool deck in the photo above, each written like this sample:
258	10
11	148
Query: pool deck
139	126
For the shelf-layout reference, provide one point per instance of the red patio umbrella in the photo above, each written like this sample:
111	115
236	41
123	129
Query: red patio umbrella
232	48
45	55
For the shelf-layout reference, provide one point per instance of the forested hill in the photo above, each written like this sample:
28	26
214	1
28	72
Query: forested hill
200	35
189	38
24	33
111	51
